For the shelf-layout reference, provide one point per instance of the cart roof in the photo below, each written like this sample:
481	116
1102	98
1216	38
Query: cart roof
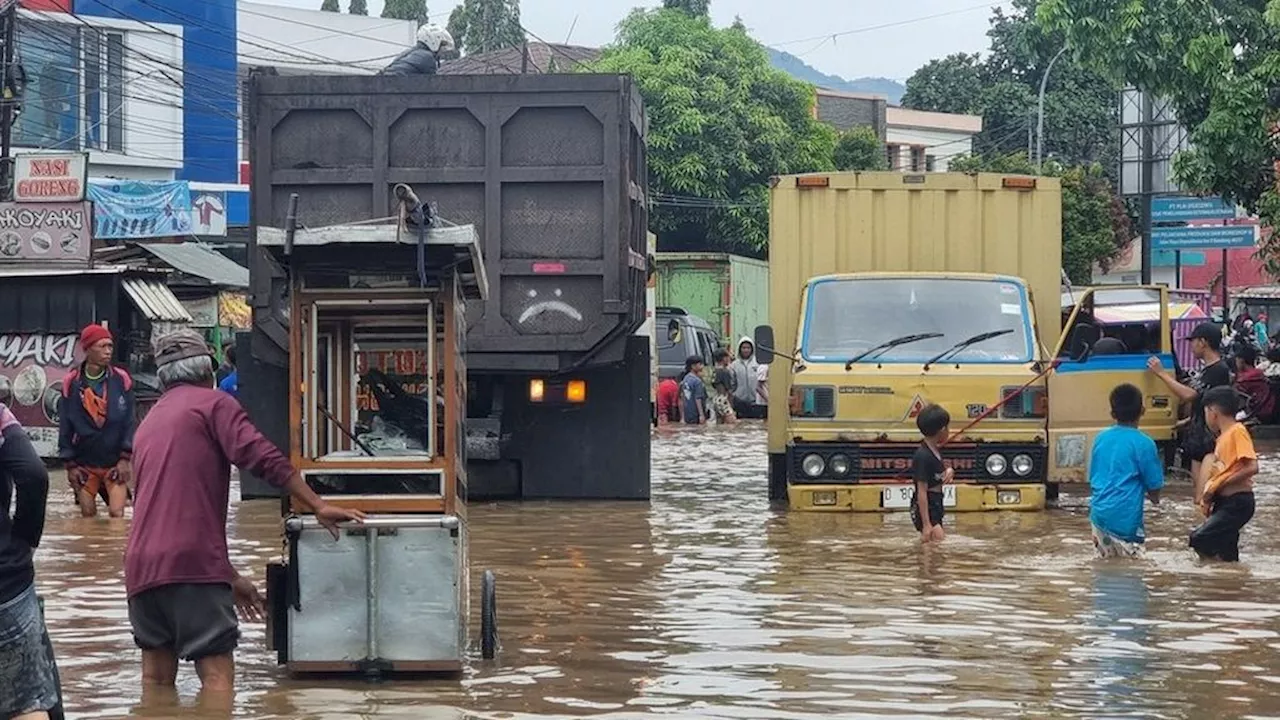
456	247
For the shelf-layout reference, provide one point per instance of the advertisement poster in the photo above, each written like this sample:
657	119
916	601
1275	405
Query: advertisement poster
45	233
137	209
209	213
233	311
31	372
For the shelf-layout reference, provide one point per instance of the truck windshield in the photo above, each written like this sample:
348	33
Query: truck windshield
845	317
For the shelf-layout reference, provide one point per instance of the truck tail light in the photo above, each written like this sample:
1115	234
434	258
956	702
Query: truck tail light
576	391
537	390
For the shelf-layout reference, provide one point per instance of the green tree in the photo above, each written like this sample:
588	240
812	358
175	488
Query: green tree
1080	103
722	120
860	149
358	7
952	84
1218	63
415	10
1095	222
330	6
696	8
480	26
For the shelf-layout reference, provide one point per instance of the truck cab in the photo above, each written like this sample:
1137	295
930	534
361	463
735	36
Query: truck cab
872	350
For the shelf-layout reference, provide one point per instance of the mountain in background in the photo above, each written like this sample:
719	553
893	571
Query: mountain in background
797	68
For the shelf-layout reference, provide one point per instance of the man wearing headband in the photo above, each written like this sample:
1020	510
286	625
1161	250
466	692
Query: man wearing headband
183	591
95	425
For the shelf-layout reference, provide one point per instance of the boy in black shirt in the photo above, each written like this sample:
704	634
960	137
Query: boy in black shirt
929	473
1197	439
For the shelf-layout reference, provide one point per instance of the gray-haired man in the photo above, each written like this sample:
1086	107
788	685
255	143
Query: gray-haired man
183	591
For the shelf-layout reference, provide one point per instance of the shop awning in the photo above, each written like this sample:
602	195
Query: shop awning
154	300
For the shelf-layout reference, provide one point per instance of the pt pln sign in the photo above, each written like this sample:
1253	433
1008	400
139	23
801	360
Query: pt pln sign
50	177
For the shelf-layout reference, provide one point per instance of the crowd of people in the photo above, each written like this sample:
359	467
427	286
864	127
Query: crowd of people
739	389
182	593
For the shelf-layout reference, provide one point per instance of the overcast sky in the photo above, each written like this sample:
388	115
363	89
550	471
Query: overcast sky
921	29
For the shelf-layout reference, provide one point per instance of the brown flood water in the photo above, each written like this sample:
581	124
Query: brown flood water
705	603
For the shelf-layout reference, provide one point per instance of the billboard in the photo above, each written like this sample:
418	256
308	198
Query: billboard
31	370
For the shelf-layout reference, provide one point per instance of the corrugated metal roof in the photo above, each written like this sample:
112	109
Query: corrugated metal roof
202	261
154	300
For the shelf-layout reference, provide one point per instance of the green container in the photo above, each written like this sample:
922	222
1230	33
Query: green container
730	292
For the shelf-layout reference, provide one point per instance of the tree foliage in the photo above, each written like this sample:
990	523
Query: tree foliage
358	7
330	6
1095	222
480	26
722	120
860	149
1004	87
415	10
696	8
1217	62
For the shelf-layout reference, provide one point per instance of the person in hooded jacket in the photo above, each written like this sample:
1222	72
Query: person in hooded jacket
745	379
424	57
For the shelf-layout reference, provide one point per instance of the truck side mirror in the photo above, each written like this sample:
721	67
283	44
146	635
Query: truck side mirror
764	344
673	332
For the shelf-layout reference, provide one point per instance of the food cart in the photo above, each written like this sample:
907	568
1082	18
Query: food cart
377	403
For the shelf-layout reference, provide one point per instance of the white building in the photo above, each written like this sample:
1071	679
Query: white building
110	87
920	141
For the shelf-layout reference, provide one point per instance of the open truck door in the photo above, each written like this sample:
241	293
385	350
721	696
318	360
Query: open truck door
1094	355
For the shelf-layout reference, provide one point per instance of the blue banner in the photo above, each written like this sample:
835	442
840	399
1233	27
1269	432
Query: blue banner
1169	258
137	209
1182	208
1203	238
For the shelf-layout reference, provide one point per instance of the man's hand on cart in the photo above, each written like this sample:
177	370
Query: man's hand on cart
330	515
248	601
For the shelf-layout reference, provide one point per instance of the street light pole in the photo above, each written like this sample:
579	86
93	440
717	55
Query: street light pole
1044	83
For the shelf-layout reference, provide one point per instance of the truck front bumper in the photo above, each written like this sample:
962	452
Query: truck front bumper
887	497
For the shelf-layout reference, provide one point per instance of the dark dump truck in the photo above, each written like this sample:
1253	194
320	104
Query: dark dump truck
550	169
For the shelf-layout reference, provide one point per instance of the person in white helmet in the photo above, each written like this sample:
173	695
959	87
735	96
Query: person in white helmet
424	57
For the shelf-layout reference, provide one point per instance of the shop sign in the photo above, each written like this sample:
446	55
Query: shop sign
50	177
45	233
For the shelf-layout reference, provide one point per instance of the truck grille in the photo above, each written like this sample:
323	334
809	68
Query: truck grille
892	462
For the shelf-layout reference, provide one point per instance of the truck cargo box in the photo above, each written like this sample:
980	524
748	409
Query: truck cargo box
729	291
549	168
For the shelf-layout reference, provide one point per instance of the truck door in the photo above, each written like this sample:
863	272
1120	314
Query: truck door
1094	357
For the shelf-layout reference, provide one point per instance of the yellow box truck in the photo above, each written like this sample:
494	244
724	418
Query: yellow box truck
892	291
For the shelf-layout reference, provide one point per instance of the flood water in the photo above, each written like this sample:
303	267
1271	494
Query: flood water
705	603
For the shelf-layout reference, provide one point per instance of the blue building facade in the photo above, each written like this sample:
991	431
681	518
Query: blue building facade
210	86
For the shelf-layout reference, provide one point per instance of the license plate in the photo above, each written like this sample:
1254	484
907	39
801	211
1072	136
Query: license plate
899	496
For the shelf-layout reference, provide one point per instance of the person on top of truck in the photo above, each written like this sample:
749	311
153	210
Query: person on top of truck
424	57
745	380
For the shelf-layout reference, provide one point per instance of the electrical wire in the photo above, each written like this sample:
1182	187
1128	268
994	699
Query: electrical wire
885	26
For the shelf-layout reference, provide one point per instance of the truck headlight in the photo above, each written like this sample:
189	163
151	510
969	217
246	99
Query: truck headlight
1023	465
996	465
840	465
813	465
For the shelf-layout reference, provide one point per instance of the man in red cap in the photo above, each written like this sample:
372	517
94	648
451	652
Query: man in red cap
95	425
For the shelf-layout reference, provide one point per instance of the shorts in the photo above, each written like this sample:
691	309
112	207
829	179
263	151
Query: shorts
1196	442
1219	536
94	480
28	677
1110	546
936	510
191	620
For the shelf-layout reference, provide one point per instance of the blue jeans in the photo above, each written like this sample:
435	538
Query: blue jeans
27	674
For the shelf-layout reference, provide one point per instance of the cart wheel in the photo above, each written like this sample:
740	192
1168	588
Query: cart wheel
488	615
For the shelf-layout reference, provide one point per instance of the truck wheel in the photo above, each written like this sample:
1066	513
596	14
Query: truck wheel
488	615
777	478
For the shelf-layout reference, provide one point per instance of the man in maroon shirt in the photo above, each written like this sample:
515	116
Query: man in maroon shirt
183	591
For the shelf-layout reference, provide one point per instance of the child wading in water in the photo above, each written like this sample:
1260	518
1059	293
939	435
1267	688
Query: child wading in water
929	473
1124	466
1224	491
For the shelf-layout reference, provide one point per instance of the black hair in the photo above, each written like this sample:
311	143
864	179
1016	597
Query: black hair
1248	353
230	354
932	419
690	361
1126	404
721	355
1223	399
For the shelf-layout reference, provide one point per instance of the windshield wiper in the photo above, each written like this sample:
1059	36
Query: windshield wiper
882	347
964	344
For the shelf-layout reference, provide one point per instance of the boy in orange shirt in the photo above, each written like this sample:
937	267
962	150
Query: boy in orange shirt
1224	491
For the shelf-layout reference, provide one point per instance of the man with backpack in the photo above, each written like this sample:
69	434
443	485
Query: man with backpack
95	425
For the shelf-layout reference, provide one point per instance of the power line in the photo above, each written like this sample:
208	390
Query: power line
885	26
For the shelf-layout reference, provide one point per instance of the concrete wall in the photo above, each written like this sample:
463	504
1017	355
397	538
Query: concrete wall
848	110
942	145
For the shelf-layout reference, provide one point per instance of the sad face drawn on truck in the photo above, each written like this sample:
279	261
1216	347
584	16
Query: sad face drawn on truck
545	306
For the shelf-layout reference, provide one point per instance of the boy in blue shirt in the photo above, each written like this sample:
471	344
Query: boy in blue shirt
693	392
1123	467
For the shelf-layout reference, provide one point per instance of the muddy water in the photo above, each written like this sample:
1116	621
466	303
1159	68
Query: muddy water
704	603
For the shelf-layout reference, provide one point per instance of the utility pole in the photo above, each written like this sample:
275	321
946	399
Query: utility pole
10	97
